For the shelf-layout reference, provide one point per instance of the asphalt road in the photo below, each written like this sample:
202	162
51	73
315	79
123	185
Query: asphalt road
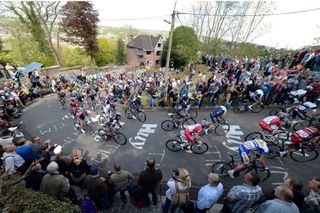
46	119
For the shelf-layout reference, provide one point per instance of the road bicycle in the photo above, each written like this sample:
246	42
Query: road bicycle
106	134
221	168
176	145
138	113
243	106
86	127
220	129
192	112
115	118
174	122
62	101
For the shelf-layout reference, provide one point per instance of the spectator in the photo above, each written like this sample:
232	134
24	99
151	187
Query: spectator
282	204
33	180
53	183
62	160
209	194
149	179
6	137
24	149
179	181
312	201
97	189
121	178
240	198
78	169
13	162
295	186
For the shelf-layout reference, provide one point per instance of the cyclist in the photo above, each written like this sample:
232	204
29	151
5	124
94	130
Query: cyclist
219	112
73	106
81	117
182	109
255	97
300	136
61	94
135	104
193	132
271	123
257	146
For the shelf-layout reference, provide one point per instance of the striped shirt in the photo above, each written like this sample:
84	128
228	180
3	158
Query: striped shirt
244	197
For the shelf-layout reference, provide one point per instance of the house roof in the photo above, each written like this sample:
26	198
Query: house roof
145	42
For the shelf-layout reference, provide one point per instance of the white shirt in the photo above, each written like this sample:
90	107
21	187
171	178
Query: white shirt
172	188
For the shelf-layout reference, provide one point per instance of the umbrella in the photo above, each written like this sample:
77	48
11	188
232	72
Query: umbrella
31	67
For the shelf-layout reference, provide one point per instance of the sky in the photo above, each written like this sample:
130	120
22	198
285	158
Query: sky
285	31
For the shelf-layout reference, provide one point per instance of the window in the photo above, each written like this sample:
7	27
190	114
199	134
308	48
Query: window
159	44
148	52
157	62
140	56
158	52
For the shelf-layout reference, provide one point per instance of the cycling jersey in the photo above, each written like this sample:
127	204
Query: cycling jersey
304	134
246	148
74	105
81	114
270	123
257	94
192	129
216	113
62	93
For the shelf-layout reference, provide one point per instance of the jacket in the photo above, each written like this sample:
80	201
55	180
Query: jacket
55	184
121	178
149	179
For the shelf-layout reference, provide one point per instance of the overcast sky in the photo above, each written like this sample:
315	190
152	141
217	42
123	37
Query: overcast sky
286	31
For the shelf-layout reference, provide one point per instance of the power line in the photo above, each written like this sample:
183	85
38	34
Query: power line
133	19
267	14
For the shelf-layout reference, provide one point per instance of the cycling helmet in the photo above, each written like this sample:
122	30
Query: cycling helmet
309	88
296	101
204	123
111	95
139	96
227	104
283	115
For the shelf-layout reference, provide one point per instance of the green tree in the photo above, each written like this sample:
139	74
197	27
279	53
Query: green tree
106	52
71	56
79	24
185	46
1	45
31	20
121	52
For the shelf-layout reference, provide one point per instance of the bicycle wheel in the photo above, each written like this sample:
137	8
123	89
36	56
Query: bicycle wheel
276	111
304	154
222	129
261	172
173	145
301	125
238	108
258	108
167	125
141	116
102	119
120	138
88	129
188	122
193	113
253	135
128	113
273	150
103	134
199	148
221	168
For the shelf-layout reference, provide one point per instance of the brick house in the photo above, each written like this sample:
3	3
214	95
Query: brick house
144	50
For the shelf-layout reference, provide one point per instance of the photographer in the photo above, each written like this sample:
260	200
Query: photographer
179	183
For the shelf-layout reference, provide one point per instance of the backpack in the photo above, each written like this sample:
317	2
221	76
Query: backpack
87	205
136	195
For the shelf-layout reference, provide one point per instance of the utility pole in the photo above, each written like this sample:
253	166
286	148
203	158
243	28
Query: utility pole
173	17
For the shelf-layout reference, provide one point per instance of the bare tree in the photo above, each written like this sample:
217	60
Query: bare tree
127	33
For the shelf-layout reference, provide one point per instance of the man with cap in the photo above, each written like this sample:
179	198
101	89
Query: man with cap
209	194
97	189
53	183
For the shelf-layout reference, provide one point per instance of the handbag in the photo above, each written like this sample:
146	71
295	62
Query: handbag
180	197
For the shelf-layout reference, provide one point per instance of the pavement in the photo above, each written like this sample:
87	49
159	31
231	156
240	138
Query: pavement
46	119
